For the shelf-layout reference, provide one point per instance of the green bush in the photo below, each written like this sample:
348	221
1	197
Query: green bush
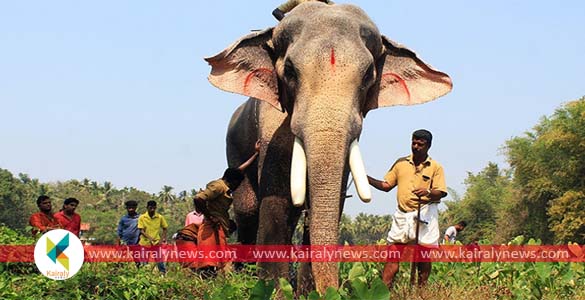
361	280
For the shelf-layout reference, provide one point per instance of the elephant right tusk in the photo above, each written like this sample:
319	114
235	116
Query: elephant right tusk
298	174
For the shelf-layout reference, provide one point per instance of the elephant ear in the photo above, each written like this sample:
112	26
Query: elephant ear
405	79
246	68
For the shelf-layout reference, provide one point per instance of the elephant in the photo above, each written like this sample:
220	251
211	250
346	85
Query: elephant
311	80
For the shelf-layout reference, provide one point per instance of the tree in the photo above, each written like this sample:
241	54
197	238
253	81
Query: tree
166	195
548	164
483	206
12	205
346	230
107	188
24	178
366	229
183	196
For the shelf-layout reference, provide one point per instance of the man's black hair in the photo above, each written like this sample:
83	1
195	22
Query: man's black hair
151	203
42	198
70	200
423	134
233	175
462	223
131	203
200	206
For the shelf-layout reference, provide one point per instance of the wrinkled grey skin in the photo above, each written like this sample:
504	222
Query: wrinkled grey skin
314	76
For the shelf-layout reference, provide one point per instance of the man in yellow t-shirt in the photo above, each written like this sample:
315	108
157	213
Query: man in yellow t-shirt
419	178
284	8
151	225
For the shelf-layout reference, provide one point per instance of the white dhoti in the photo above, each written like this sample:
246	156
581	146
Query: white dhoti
403	230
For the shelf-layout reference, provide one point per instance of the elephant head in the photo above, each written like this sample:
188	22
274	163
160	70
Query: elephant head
326	66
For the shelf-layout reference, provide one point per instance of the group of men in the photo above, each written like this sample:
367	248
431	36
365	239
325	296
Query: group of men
145	230
419	178
46	220
208	225
148	229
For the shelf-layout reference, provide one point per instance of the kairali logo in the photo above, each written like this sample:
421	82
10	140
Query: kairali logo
59	254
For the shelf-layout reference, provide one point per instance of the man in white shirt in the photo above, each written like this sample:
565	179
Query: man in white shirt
452	231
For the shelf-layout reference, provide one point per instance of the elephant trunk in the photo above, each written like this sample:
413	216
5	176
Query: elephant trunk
326	129
327	153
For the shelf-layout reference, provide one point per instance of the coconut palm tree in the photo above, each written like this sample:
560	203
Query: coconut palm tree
183	196
166	195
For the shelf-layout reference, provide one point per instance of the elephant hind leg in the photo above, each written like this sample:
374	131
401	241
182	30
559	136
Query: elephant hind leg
241	136
246	211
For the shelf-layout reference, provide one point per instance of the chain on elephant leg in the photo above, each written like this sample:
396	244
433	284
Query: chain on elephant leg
305	282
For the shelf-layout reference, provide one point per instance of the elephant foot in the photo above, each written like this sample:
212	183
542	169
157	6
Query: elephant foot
273	271
326	275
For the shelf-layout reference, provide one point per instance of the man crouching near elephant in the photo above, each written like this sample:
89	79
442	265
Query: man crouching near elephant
214	202
419	179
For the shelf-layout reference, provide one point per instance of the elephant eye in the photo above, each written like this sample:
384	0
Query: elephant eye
369	75
290	74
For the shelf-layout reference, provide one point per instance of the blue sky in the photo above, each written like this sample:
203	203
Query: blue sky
117	90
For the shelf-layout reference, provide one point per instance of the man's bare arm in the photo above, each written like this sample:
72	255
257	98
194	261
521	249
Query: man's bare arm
379	184
164	236
434	195
247	163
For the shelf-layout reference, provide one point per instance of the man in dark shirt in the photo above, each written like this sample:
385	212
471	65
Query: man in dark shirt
128	232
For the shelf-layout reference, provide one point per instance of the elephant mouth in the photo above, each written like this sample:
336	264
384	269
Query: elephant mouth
298	173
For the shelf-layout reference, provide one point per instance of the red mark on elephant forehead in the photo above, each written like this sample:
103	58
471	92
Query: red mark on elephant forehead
398	79
251	75
332	56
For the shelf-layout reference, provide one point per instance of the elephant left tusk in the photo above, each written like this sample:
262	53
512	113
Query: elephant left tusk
298	174
358	172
